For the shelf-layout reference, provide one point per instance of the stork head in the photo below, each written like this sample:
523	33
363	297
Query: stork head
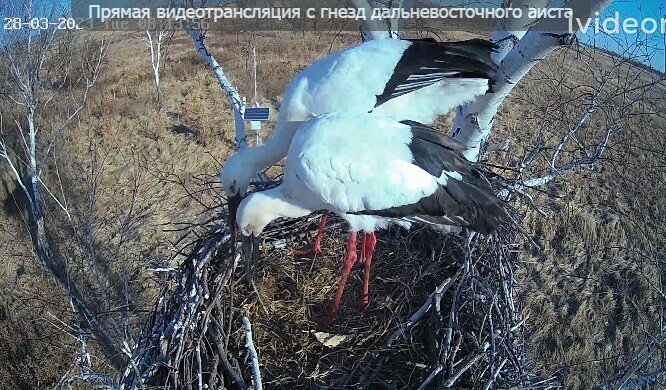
254	213
235	177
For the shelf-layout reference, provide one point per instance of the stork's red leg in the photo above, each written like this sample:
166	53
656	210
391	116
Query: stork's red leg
370	249
350	259
361	259
369	240
315	246
320	232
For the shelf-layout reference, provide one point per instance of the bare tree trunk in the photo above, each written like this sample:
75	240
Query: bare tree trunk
237	103
36	214
380	28
155	43
34	83
473	122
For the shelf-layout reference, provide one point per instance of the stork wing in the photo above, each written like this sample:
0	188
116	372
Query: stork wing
414	171
463	196
426	62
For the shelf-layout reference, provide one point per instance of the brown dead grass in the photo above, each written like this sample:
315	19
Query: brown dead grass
592	293
589	293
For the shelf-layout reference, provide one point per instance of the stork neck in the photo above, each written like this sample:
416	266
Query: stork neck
281	205
268	154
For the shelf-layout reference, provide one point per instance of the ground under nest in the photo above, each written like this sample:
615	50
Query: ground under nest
441	314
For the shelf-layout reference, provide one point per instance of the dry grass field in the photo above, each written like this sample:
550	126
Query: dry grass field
593	295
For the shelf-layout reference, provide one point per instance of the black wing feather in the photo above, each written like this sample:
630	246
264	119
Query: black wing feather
426	39
426	62
419	130
469	202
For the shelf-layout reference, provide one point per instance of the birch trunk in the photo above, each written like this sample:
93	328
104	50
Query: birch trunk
36	216
155	45
27	62
473	122
513	30
380	28
237	103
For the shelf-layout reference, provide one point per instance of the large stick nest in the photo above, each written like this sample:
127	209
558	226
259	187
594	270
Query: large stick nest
442	314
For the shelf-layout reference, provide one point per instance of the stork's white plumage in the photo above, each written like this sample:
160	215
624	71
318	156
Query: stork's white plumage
415	174
403	79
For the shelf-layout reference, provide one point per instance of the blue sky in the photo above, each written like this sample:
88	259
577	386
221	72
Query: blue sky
650	48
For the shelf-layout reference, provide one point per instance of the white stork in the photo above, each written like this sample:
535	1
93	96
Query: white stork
415	174
403	79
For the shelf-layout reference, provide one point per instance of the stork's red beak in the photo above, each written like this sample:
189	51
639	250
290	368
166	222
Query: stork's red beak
232	205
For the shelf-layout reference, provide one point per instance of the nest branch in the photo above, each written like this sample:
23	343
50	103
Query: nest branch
471	319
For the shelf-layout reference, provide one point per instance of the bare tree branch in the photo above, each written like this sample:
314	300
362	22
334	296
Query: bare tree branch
254	358
622	378
474	122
